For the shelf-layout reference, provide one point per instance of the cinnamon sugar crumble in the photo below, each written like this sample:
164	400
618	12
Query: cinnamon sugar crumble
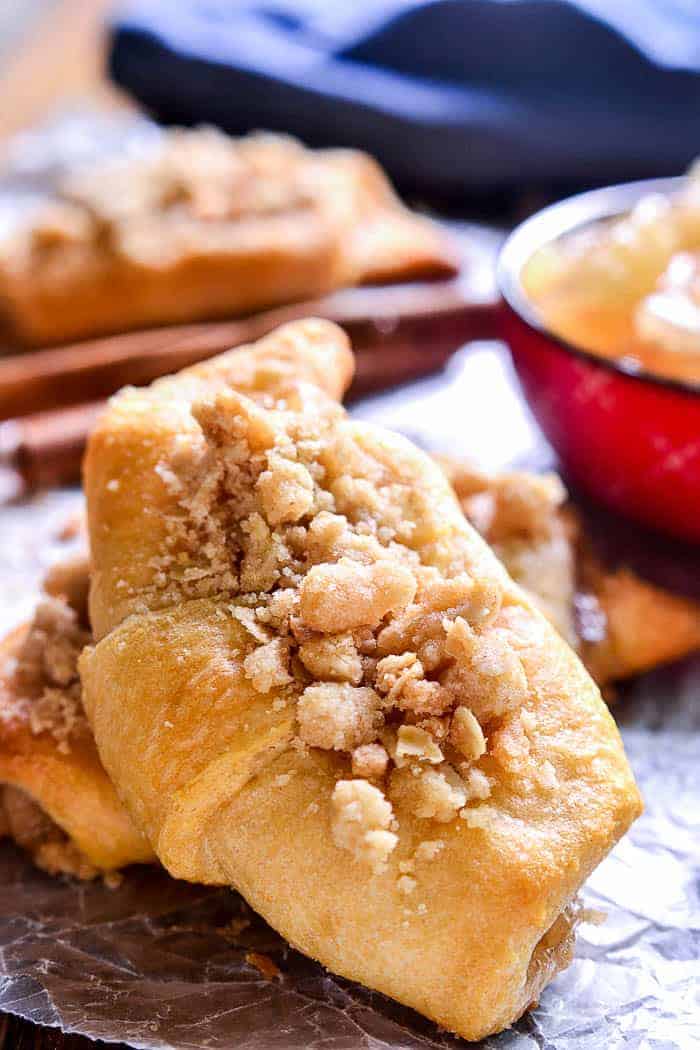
466	734
429	849
333	657
44	688
338	716
370	761
183	195
520	516
393	640
414	744
266	666
362	817
40	689
431	793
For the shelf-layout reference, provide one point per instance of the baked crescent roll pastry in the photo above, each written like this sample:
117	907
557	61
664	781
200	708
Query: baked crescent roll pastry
621	624
56	800
202	226
628	626
313	681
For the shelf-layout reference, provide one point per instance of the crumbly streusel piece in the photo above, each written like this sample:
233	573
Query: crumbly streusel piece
46	686
370	761
339	716
362	817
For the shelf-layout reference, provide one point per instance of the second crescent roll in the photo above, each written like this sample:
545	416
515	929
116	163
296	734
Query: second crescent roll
56	800
313	681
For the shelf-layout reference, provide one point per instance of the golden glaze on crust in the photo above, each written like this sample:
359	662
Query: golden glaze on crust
284	598
202	226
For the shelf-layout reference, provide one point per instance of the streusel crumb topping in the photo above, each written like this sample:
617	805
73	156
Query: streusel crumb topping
182	194
42	687
389	633
520	515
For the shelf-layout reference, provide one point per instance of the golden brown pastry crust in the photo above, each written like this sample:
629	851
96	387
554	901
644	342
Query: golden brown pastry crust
203	226
56	767
639	626
434	881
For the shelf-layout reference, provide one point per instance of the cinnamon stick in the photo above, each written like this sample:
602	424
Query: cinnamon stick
45	449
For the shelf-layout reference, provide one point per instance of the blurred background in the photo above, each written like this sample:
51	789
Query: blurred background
52	52
491	102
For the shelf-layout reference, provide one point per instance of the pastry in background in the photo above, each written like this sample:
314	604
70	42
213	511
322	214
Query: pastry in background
202	226
627	625
620	624
519	514
312	680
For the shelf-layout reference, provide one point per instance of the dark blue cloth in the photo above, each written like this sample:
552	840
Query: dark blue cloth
449	95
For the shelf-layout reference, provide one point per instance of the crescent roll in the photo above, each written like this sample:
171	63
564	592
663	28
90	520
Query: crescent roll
312	680
56	800
200	226
520	514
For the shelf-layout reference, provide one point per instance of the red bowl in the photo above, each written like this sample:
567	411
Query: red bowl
628	438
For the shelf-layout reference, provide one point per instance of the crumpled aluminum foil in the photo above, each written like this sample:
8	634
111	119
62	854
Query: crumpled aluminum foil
161	964
158	963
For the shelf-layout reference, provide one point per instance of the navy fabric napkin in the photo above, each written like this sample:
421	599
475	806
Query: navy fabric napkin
449	95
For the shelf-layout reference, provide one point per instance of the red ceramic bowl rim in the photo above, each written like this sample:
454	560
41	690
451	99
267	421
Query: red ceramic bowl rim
551	223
